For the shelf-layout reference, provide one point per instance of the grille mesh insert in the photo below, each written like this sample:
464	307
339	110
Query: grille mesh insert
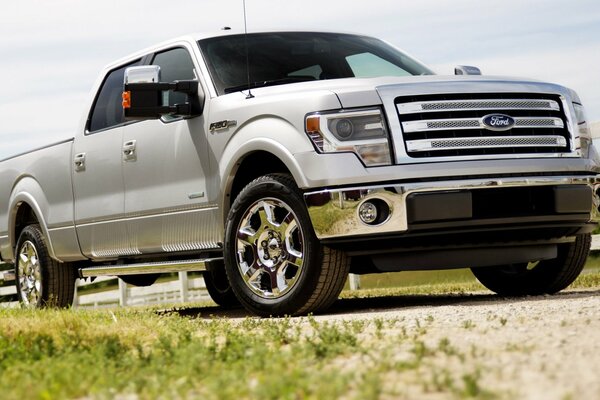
456	119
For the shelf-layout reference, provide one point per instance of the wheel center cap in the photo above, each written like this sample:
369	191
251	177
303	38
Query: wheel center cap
269	248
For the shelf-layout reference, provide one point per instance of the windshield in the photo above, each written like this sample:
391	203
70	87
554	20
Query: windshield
287	57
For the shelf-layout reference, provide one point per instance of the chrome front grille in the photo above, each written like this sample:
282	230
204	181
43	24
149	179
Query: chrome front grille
452	124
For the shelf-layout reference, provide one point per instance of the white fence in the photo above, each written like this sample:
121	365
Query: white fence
182	289
117	292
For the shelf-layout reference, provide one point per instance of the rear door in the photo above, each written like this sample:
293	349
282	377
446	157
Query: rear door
165	167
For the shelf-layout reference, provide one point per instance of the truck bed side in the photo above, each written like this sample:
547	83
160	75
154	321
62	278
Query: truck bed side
38	185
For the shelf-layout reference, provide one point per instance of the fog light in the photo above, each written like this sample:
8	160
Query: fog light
367	212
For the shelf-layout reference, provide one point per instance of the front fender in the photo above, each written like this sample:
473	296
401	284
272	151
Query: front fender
273	135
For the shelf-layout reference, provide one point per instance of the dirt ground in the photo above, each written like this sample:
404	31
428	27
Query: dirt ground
545	347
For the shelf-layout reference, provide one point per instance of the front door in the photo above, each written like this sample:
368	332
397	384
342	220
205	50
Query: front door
165	167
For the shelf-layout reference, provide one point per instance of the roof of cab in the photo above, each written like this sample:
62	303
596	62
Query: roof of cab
193	37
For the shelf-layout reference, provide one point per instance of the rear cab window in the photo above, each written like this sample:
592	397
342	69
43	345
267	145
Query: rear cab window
107	111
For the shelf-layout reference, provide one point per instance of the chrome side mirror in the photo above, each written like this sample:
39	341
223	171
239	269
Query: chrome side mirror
466	70
144	74
146	97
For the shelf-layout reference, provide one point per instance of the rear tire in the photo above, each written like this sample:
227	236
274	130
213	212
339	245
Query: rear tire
543	277
274	262
41	280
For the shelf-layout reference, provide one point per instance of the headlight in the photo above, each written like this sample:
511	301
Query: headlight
362	132
583	130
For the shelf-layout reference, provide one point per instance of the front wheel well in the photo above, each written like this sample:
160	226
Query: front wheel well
253	166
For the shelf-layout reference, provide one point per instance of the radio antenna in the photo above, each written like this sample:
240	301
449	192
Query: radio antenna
250	95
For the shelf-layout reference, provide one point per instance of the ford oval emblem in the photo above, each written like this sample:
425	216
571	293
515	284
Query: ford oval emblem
498	122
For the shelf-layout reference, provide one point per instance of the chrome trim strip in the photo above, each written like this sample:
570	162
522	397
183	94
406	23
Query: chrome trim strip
482	104
333	211
138	215
428	125
148	268
484	142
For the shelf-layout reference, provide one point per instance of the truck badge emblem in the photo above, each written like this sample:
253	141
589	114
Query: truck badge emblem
221	125
498	122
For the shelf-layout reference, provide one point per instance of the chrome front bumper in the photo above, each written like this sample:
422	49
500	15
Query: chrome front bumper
334	212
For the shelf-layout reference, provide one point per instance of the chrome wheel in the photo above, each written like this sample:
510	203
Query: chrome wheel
30	274
270	248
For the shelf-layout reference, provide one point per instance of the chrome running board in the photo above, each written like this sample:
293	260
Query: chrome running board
7	276
148	268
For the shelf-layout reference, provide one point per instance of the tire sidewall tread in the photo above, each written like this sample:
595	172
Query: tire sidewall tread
58	279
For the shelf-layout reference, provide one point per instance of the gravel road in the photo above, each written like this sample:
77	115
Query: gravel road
545	347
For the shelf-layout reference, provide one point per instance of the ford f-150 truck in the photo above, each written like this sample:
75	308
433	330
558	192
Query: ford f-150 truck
277	163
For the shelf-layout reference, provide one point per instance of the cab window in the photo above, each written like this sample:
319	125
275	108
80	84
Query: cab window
108	111
175	65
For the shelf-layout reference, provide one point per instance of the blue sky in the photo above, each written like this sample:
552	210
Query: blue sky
51	51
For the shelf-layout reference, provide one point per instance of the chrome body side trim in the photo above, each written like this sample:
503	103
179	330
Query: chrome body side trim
341	204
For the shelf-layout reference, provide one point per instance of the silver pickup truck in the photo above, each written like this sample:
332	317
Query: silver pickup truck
277	163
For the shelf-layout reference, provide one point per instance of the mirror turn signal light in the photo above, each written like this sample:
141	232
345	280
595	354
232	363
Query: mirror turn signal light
126	99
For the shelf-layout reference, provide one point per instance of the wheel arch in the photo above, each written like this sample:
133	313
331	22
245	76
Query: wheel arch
28	205
256	158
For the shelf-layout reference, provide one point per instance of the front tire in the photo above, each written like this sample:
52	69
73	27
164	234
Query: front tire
41	280
542	277
274	262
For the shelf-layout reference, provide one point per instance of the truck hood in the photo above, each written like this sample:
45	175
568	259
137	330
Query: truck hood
359	92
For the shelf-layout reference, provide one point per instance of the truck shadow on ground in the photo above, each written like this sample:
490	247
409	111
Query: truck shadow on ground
385	304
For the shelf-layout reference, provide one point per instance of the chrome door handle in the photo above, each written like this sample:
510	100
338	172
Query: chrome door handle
79	162
129	151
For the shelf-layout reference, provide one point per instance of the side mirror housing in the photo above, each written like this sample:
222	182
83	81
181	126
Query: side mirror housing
145	97
466	70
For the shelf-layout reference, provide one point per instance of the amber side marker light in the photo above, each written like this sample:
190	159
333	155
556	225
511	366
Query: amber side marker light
313	124
127	99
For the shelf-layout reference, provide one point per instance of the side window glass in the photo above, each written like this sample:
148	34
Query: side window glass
108	111
175	65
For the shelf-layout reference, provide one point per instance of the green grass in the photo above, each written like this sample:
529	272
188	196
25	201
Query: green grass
147	353
106	354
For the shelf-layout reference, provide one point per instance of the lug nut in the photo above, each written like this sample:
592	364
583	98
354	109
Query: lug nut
263	243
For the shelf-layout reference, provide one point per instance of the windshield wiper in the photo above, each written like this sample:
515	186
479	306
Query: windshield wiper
273	82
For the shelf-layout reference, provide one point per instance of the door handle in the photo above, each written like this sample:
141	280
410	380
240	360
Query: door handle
129	151
79	161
